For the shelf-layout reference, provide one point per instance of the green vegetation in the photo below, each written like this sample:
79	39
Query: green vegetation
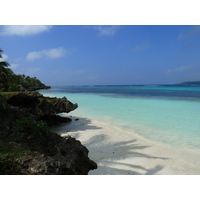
48	99
9	81
35	128
4	108
4	73
22	135
7	94
25	81
15	146
7	160
8	156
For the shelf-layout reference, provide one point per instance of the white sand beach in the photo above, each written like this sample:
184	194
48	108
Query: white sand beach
119	152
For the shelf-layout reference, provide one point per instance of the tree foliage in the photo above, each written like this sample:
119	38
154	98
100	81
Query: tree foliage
9	81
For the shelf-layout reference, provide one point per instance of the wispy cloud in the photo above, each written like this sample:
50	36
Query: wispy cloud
180	69
107	30
140	47
14	65
49	53
24	30
195	31
188	46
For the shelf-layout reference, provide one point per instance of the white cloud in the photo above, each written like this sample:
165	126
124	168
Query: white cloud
140	47
4	57
107	30
23	30
55	53
180	69
49	53
14	65
34	55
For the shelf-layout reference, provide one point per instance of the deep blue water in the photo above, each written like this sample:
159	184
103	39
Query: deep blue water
149	91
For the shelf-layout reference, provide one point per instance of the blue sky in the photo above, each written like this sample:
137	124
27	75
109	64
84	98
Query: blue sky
98	55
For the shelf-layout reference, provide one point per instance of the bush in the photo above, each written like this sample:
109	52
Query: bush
39	128
22	124
14	88
8	159
35	128
4	107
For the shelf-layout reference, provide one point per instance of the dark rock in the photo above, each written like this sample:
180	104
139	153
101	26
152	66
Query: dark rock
22	89
2	100
58	105
54	154
38	105
9	116
39	88
71	158
55	120
23	99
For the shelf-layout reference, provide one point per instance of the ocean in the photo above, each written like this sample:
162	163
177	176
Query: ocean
165	114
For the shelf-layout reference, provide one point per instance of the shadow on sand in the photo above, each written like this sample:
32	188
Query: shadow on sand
77	124
108	154
120	151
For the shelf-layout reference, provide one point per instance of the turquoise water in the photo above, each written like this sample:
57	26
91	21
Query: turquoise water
166	115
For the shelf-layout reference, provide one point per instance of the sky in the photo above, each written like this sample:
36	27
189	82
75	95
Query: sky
103	54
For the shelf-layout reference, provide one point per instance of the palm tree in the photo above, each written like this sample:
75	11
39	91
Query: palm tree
3	63
4	73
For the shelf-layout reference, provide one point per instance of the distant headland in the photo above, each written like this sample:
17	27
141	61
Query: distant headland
189	83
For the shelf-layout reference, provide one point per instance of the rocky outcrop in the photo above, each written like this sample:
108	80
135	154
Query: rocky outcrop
55	105
37	104
9	114
39	88
45	154
55	120
70	157
44	108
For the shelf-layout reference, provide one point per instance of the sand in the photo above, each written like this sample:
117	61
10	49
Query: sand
119	152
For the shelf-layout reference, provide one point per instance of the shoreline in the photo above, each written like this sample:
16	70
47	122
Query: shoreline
120	152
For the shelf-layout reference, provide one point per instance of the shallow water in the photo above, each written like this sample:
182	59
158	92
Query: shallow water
165	114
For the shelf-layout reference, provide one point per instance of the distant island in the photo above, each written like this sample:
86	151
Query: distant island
190	83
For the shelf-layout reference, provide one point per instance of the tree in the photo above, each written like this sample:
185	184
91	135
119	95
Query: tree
3	63
4	73
9	81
